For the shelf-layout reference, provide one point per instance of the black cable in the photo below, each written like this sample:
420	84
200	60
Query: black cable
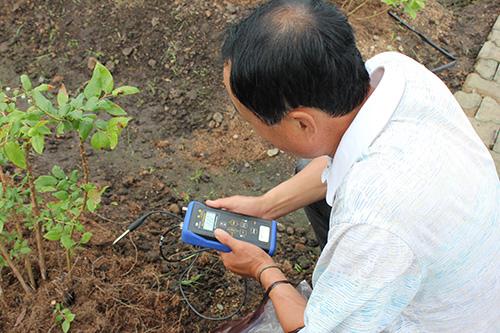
198	313
451	57
189	254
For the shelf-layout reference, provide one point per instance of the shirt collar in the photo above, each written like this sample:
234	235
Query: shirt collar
366	126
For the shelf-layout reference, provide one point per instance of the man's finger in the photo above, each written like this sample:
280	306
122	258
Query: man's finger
225	238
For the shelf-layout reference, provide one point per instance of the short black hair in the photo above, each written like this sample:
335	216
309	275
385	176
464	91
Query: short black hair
293	53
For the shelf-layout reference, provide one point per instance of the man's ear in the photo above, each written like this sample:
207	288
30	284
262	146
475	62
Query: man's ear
304	120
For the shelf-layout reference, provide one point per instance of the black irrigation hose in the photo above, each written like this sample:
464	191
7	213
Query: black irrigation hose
451	57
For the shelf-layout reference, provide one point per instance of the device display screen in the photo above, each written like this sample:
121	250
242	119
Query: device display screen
209	222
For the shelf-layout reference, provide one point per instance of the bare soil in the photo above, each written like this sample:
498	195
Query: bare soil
185	142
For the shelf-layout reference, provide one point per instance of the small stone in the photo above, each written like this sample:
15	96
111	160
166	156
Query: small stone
231	8
468	101
155	21
110	65
497	75
152	62
486	68
91	62
128	181
212	124
273	152
490	51
475	83
174	208
487	131
208	13
489	110
127	51
236	136
290	230
281	227
300	247
247	165
218	117
162	143
375	37
4	46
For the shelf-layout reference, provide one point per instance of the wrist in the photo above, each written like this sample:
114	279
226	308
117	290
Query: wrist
267	204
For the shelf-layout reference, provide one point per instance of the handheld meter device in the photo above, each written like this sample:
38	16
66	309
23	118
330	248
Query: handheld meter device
201	221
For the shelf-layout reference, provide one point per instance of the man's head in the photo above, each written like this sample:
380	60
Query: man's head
289	67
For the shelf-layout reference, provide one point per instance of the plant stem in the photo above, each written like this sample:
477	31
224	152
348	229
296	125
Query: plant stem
27	261
68	264
14	269
85	169
3	179
36	213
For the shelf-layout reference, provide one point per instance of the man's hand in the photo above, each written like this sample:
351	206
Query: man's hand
246	205
245	259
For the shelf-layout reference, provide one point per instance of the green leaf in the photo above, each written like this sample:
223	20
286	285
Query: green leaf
94	198
42	102
61	195
125	90
15	154
38	143
91	104
62	96
85	128
85	238
70	316
111	108
45	184
100	140
67	242
65	326
53	235
101	81
58	172
42	88
26	82
59	318
78	101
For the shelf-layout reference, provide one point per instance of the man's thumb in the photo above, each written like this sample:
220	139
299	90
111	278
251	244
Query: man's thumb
225	238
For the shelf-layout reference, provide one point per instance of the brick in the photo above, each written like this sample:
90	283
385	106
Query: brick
490	51
496	159
487	131
496	26
496	147
469	102
475	83
489	110
486	68
494	36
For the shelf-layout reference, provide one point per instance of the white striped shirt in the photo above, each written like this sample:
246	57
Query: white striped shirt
414	241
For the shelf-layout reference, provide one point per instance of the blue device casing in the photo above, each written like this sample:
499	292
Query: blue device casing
191	238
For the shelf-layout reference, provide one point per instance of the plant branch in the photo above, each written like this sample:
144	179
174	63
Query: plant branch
357	8
86	175
13	267
36	213
3	179
27	261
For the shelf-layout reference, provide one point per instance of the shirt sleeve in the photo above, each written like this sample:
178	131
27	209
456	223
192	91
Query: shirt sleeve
365	278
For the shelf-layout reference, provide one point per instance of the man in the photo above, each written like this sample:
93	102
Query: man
413	239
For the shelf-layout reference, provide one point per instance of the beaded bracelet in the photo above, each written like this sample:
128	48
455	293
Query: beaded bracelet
274	284
263	269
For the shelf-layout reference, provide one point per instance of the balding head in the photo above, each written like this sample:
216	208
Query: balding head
292	53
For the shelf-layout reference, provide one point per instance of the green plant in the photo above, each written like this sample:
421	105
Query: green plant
196	176
63	316
410	7
192	281
51	205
